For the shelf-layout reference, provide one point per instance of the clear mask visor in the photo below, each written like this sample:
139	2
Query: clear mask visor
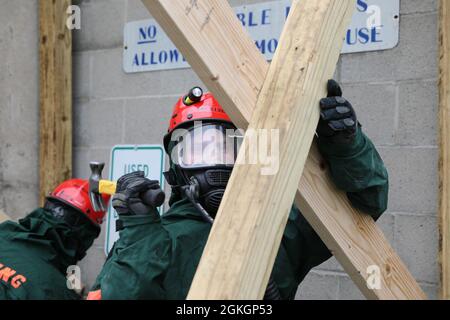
208	145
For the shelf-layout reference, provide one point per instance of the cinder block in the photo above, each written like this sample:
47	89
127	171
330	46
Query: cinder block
17	199
82	74
19	111
418	6
102	155
414	58
348	290
111	81
137	11
432	291
102	23
147	120
337	72
330	265
99	243
375	106
83	156
19	95
318	286
98	123
368	66
91	266
386	224
418	113
19	107
80	161
416	241
418	56
413	183
20	162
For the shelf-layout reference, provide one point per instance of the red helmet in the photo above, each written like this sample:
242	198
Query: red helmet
195	106
75	193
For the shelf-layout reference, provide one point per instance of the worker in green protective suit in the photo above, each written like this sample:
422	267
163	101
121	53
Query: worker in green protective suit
36	252
156	257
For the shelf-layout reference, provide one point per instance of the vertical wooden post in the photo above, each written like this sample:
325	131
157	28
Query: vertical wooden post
444	161
55	95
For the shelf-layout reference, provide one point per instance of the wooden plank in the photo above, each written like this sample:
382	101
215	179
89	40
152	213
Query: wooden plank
253	214
444	143
227	61
55	95
352	236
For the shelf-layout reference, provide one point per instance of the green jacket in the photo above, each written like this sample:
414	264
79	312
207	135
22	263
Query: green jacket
156	258
35	254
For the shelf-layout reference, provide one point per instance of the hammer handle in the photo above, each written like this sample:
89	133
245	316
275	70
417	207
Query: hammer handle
150	197
107	187
154	198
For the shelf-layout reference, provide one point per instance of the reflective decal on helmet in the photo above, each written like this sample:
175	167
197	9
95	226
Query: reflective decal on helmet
75	193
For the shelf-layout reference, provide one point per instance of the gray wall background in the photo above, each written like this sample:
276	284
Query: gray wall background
394	93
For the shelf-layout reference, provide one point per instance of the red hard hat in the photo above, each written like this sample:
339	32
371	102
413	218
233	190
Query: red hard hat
75	193
208	108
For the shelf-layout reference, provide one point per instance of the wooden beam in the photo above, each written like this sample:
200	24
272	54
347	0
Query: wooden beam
55	95
227	61
253	214
444	142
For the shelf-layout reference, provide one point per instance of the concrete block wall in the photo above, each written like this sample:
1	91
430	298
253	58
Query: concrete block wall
393	91
19	107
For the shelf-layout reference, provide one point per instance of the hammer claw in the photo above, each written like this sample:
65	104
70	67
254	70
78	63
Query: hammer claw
94	181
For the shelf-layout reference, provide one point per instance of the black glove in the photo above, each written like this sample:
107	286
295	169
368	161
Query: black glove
128	198
337	117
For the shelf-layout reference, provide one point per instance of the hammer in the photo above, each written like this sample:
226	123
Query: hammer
98	186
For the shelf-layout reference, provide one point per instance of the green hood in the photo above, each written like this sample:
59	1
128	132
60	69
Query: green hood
52	239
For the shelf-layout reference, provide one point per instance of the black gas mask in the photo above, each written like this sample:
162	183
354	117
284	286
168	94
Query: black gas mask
202	160
207	186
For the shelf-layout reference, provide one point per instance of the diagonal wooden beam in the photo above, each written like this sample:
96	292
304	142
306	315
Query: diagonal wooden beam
444	162
227	61
239	256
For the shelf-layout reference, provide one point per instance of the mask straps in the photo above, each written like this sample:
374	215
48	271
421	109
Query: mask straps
191	190
192	193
